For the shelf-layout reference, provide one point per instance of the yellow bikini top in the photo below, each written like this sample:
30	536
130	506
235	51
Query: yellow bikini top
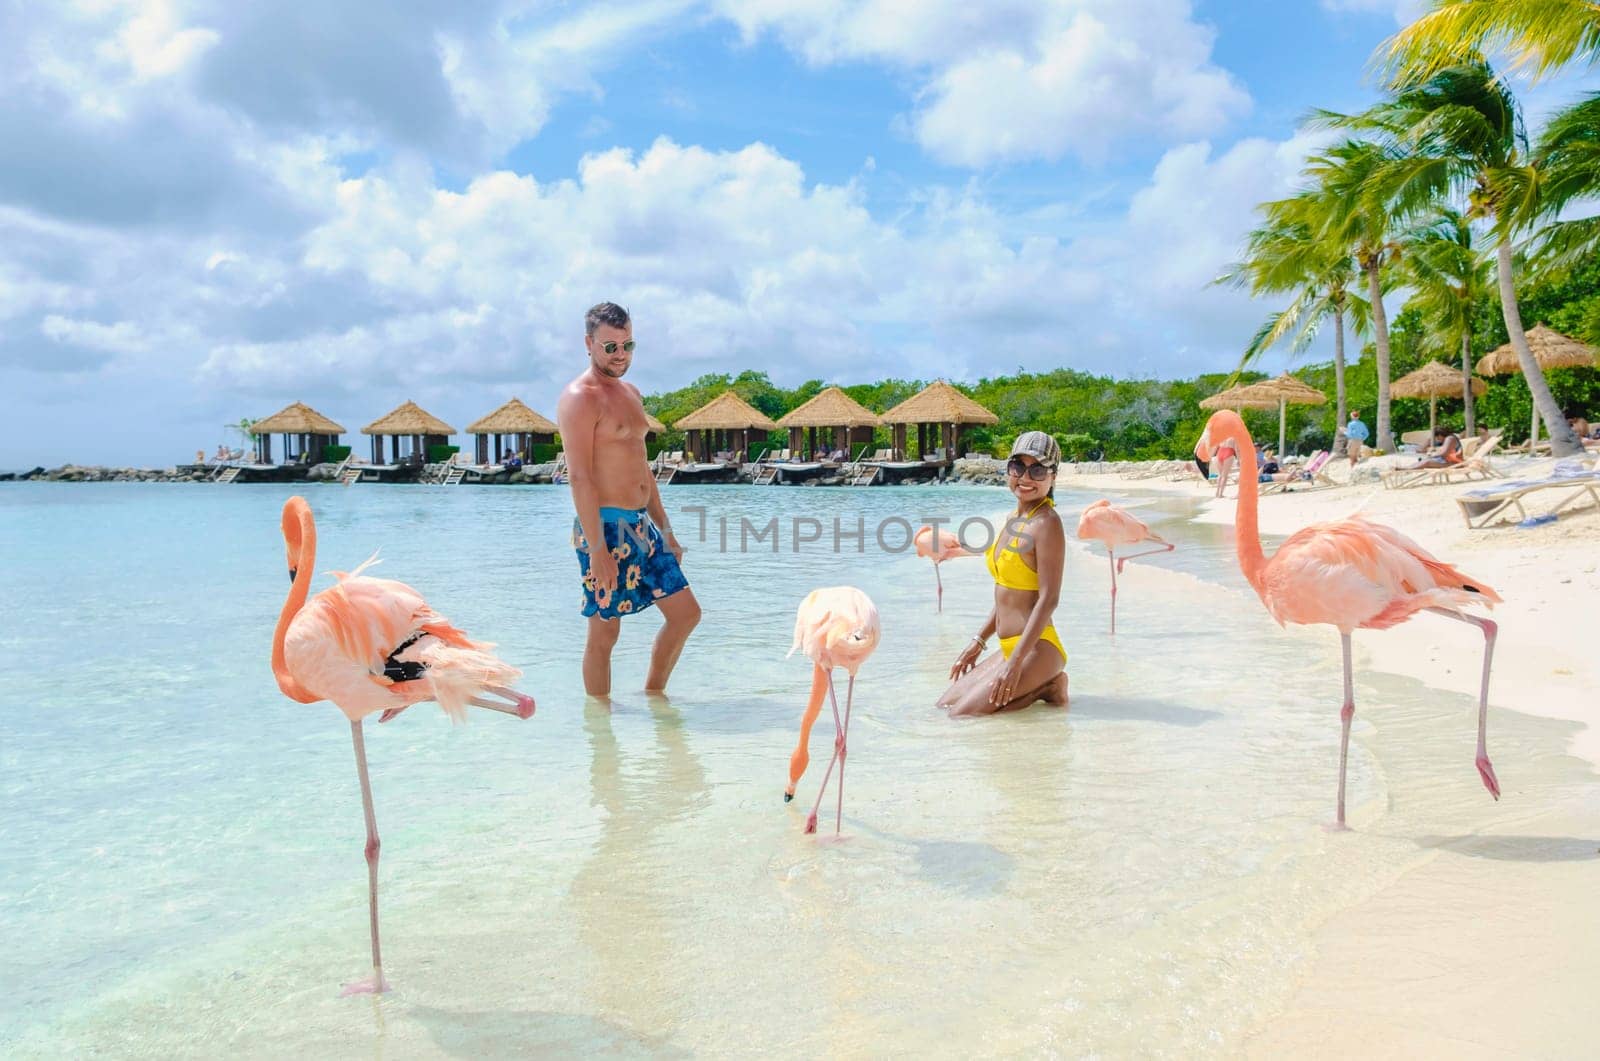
1008	568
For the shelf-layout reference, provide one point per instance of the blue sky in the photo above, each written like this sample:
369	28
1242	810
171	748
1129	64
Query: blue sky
209	210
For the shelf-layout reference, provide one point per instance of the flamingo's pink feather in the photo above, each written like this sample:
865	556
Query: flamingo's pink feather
338	643
1354	573
949	547
1105	522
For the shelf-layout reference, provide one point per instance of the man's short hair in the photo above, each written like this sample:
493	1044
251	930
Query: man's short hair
607	313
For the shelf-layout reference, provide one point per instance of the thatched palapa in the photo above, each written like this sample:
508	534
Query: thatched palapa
306	434
408	421
514	428
1277	393
941	406
1434	381
718	423
852	422
1550	349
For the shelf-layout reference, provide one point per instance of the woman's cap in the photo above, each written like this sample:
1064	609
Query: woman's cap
1037	444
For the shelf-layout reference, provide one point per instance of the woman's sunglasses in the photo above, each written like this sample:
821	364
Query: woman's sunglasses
1017	468
611	346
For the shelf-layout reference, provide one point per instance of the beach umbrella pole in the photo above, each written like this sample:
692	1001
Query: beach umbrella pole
1283	425
1433	416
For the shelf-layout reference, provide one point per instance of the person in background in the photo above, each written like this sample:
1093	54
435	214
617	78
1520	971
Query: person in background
1356	435
1446	451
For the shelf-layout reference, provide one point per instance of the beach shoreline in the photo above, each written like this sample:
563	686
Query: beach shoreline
1481	949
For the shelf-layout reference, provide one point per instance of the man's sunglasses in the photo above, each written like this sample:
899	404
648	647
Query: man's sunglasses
611	346
1017	468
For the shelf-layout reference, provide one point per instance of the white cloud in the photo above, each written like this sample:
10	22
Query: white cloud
1404	11
1010	81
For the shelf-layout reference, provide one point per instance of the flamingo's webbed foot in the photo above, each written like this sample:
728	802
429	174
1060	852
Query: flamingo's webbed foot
1486	771
371	985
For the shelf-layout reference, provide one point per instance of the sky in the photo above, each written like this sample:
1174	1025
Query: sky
209	210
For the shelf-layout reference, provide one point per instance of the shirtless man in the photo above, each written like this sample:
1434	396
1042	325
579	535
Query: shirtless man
602	430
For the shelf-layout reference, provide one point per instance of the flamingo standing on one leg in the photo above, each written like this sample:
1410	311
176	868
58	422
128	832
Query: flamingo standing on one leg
373	644
836	627
948	548
1353	573
1105	522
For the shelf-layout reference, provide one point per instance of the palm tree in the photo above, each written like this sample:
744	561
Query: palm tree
1461	131
1568	157
1448	274
1349	208
1539	35
1284	256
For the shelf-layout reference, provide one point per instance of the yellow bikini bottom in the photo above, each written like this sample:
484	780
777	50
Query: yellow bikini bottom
1048	636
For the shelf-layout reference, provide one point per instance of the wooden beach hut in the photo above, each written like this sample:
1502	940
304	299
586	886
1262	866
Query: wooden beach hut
306	434
725	422
655	428
512	429
407	421
844	423
941	414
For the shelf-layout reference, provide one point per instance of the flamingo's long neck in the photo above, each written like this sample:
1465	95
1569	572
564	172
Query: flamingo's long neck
1246	526
303	544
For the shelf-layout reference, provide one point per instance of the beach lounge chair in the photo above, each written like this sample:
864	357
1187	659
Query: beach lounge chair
1475	462
1310	476
1503	502
1420	439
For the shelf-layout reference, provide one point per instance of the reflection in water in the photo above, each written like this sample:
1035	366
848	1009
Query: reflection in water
628	897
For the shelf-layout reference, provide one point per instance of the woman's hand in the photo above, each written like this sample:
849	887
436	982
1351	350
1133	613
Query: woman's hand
967	660
1004	689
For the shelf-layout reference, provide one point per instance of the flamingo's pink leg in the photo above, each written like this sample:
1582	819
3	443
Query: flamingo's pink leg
1110	555
1167	548
844	751
1490	630
376	984
940	583
838	742
1346	713
521	705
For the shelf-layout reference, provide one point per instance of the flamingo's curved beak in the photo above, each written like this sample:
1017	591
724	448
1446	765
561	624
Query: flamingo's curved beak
293	572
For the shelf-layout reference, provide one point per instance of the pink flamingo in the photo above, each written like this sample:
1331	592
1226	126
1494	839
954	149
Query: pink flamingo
1353	573
372	644
1105	522
836	627
949	548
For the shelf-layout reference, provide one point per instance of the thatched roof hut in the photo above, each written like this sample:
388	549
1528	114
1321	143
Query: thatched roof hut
852	422
515	429
723	423
408	421
306	434
936	405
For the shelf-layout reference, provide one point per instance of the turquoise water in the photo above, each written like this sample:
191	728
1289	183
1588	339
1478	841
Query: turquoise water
180	845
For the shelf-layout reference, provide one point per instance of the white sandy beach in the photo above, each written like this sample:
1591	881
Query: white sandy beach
1492	946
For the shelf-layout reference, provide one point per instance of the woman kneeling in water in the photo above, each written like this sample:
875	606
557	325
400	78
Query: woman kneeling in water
1025	561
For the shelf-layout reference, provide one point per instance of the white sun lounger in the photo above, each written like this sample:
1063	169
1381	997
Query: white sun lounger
1502	503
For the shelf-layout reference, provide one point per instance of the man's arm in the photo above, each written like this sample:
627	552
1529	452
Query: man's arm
577	415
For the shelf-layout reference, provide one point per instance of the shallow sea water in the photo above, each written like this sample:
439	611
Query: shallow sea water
180	845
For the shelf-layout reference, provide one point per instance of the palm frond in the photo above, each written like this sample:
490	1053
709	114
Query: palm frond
1538	36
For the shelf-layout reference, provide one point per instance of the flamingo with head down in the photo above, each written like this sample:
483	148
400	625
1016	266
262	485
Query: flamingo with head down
369	645
835	627
1112	526
1353	574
